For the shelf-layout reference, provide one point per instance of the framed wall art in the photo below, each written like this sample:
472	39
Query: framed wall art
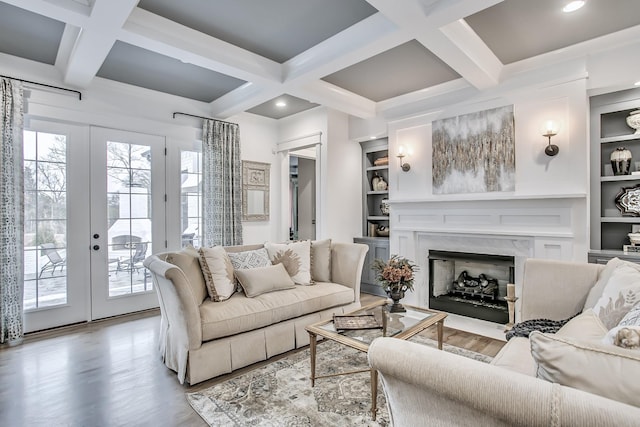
474	153
255	191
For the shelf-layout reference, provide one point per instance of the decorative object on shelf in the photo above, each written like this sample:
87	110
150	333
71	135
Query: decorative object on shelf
633	120
621	161
396	277
384	207
372	230
634	238
404	166
460	152
382	161
382	231
628	200
378	183
550	129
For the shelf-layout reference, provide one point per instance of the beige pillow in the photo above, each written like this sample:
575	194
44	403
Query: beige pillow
260	280
588	365
621	292
187	260
596	291
218	273
296	258
584	325
321	260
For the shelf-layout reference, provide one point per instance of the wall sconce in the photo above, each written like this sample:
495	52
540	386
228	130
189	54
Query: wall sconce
404	166
550	129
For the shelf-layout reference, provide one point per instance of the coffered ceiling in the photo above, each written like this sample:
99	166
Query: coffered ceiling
363	57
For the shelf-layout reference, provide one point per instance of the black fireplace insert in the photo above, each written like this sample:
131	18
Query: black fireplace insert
470	284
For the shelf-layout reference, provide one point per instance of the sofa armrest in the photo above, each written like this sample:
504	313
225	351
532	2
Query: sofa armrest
347	261
177	301
429	387
555	289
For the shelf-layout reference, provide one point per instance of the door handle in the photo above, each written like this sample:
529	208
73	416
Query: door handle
96	247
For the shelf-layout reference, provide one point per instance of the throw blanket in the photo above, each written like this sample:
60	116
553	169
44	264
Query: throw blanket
523	329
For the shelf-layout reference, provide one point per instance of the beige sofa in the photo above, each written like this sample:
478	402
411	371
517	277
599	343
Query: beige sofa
201	339
425	386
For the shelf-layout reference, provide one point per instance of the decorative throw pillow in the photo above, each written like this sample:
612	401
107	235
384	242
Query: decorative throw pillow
588	365
321	260
256	281
631	319
596	291
249	259
619	295
188	260
218	273
296	258
585	325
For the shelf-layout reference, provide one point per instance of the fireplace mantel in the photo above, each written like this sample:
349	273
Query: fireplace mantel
551	227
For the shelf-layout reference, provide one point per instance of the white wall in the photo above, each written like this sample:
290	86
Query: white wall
536	173
344	181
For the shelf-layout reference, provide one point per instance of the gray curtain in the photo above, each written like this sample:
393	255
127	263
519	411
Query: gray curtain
222	184
11	211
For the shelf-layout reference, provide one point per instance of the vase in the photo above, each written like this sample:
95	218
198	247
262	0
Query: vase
396	296
621	161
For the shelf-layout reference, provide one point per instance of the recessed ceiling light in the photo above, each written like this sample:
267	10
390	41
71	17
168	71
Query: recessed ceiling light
637	83
281	104
573	6
372	137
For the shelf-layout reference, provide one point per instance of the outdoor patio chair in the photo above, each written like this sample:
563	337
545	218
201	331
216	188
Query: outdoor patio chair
135	262
55	260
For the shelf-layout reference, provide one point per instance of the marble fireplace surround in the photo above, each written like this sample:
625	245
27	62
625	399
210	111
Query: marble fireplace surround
521	227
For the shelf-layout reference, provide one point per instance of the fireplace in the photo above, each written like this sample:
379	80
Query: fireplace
469	284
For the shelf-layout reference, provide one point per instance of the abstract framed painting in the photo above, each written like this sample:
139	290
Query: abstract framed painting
474	153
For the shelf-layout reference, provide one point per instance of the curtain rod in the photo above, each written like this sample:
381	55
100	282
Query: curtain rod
46	85
201	117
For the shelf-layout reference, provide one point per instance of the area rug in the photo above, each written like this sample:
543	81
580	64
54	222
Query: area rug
280	393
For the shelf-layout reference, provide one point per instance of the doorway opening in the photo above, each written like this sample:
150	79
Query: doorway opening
302	190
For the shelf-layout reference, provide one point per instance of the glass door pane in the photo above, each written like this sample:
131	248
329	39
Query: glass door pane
45	215
129	217
191	197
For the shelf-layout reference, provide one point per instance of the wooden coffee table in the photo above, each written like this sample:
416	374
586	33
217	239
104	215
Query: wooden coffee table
398	325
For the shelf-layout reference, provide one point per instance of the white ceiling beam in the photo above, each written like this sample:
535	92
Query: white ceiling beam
439	27
243	98
152	32
461	48
362	40
96	39
329	95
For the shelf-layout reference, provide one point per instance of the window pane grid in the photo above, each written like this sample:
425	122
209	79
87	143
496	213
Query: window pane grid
45	229
191	197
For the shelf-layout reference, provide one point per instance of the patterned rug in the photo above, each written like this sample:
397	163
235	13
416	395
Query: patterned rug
280	393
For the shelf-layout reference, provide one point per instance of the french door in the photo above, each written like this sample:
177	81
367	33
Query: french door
56	222
127	219
94	209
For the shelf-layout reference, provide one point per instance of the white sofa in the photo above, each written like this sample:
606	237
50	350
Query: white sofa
427	387
201	339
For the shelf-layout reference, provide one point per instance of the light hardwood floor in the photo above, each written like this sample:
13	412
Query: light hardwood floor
109	373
